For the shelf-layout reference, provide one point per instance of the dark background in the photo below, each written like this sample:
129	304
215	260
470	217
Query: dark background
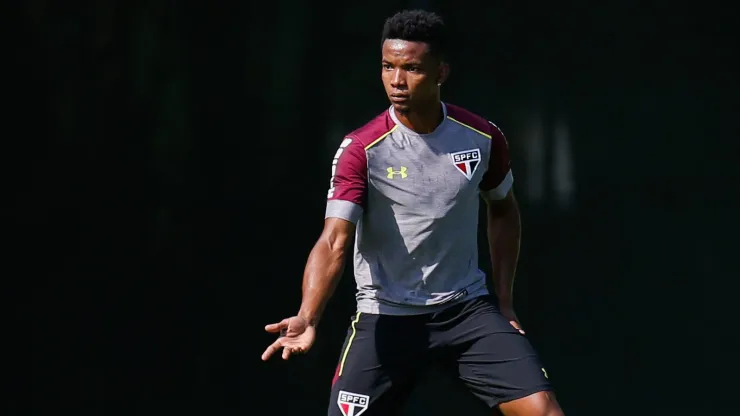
167	166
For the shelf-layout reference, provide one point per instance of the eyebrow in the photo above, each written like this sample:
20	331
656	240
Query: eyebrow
415	62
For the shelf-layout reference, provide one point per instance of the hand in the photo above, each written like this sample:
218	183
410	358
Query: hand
508	313
296	336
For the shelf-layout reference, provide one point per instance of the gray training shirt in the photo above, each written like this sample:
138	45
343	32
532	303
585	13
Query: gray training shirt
414	198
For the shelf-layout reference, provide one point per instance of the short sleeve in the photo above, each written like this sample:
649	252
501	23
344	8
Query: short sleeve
498	178
348	183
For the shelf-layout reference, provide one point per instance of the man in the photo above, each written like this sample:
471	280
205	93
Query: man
407	185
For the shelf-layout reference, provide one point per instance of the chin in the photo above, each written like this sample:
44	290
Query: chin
401	108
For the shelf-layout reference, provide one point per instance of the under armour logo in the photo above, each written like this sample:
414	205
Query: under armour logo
392	173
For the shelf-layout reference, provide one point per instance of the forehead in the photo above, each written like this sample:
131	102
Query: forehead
397	49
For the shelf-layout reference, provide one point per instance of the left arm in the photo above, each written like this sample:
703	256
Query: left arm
504	236
504	223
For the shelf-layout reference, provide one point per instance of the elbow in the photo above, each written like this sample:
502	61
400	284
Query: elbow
507	207
337	243
337	236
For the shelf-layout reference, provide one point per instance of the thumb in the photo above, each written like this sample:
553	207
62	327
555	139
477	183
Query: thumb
277	327
516	326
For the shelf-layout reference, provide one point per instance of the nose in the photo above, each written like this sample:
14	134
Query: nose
399	79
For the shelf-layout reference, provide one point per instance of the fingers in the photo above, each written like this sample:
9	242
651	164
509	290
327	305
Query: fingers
288	350
291	344
516	325
271	350
277	327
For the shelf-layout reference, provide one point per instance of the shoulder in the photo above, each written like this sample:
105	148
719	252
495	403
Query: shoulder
474	122
352	153
373	130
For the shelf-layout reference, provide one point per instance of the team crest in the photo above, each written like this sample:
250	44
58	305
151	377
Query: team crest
466	161
352	404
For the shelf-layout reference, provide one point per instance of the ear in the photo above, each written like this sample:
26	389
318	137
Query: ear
444	72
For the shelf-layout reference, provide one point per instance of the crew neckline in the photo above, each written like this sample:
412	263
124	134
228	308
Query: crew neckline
407	130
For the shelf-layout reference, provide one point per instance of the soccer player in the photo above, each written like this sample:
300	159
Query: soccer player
406	186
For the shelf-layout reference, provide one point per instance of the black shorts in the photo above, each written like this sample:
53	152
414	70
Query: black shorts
383	355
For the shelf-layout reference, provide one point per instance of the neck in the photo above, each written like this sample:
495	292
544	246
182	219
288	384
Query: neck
422	120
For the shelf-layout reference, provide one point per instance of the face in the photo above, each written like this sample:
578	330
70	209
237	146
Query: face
410	74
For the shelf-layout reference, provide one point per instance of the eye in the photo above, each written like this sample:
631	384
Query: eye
387	66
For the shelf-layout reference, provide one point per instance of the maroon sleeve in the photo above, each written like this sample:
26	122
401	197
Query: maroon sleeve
499	164
349	173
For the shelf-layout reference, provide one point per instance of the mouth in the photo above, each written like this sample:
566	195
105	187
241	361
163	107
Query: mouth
399	98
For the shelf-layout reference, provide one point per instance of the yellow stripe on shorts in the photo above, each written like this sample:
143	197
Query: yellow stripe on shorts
349	343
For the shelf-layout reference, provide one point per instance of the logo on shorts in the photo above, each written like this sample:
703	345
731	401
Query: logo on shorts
352	404
466	161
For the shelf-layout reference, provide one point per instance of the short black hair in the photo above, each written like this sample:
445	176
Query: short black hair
418	26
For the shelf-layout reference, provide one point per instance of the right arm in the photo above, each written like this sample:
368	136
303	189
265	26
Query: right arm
345	201
324	268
